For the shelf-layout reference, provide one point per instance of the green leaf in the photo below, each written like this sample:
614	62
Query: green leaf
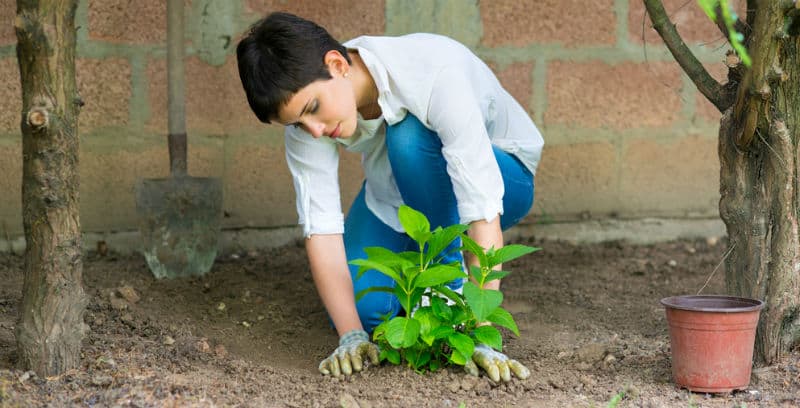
501	317
402	332
510	252
379	331
442	332
366	291
460	314
482	302
463	343
390	354
427	322
417	358
489	336
367	264
410	273
441	238
415	224
495	275
451	294
438	275
387	257
434	365
475	272
468	244
416	298
440	308
402	297
458	358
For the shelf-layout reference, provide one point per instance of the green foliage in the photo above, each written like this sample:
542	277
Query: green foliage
729	17
446	330
616	399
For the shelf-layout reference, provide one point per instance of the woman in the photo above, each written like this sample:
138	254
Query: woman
436	131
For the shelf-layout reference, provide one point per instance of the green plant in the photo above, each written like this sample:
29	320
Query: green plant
445	329
615	400
729	18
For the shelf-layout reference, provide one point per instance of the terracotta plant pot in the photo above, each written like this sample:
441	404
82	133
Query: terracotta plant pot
712	341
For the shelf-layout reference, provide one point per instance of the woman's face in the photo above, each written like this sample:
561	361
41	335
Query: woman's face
324	107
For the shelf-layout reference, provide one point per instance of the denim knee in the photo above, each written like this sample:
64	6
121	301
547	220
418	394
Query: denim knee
375	307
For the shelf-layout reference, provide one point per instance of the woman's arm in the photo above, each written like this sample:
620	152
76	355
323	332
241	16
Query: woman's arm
326	256
487	234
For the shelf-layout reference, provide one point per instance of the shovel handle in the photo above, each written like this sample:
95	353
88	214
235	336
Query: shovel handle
177	154
176	106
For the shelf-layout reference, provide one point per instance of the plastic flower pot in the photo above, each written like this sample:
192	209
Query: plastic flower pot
712	341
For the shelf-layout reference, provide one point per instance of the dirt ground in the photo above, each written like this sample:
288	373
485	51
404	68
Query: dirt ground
252	332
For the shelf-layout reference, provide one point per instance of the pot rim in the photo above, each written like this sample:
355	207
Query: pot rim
712	303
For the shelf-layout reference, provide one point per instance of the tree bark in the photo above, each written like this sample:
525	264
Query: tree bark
760	195
50	326
758	150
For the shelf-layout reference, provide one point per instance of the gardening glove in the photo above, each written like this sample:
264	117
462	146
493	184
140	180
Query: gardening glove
497	365
349	356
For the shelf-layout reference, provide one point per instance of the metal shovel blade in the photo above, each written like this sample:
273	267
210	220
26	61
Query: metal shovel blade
179	221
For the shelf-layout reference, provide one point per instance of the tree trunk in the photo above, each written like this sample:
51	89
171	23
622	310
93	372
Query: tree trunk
758	151
50	326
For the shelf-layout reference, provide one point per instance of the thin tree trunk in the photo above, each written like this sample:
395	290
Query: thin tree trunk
50	326
758	151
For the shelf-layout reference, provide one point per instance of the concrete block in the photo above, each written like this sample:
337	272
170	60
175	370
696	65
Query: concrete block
571	23
11	186
11	102
344	19
259	186
215	99
517	80
576	178
105	87
125	21
675	177
8	12
620	96
457	19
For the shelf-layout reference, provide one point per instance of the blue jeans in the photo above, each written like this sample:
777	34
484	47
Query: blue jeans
414	150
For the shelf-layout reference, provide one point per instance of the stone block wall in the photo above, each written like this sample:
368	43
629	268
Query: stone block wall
627	134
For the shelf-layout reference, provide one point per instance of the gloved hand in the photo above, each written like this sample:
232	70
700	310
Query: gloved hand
497	365
349	356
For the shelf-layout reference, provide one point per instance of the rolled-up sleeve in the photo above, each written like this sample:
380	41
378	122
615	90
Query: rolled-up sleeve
455	114
314	165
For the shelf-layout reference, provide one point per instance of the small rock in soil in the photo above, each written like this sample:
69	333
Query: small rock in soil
591	352
105	363
26	376
168	340
454	386
202	346
468	382
102	380
482	387
220	351
118	303
129	293
348	401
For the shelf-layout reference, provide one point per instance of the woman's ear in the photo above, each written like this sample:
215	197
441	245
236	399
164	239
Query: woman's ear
336	63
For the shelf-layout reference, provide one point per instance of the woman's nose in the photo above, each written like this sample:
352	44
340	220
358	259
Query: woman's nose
316	129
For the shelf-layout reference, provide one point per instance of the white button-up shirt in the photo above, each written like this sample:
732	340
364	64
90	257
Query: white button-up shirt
452	92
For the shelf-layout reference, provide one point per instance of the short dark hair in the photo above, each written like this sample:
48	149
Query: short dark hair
281	54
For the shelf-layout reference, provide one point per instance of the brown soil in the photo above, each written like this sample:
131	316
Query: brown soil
591	325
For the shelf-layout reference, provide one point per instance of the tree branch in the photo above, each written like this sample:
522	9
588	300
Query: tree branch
708	86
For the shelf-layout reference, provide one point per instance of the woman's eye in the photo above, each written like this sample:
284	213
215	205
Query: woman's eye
314	107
